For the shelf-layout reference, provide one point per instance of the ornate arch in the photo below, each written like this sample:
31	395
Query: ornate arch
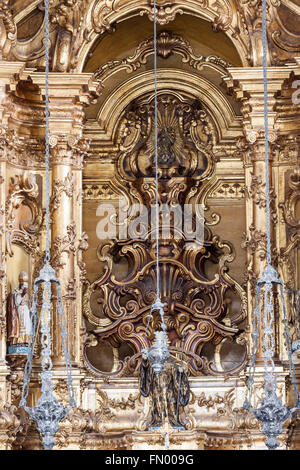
226	122
102	15
77	28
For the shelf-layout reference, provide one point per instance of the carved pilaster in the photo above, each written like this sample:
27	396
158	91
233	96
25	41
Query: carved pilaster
67	98
248	86
8	76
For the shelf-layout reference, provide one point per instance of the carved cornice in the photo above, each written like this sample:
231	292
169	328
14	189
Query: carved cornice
77	24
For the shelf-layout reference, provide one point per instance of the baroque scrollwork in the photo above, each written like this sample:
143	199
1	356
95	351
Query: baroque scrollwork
167	44
64	244
76	24
58	188
257	192
240	418
8	29
23	191
195	304
293	223
288	254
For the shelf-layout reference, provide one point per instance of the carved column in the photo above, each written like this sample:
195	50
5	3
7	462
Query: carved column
8	421
8	74
68	93
248	86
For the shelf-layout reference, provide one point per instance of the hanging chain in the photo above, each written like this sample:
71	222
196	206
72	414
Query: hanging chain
47	163
28	365
269	341
46	339
65	346
266	123
156	156
271	412
48	412
157	305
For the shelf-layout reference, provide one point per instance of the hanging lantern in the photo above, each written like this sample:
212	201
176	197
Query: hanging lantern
48	412
272	413
159	353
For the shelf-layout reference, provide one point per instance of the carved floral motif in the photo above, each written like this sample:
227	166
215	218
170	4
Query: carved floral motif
63	244
58	188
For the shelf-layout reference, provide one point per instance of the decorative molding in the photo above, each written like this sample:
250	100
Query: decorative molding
100	191
83	245
228	190
257	193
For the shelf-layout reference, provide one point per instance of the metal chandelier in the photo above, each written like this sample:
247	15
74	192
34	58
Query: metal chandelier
48	412
271	412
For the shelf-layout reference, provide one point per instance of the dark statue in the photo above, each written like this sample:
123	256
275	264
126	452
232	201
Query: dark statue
166	139
169	391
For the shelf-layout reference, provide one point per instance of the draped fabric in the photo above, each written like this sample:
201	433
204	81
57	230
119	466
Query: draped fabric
169	392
